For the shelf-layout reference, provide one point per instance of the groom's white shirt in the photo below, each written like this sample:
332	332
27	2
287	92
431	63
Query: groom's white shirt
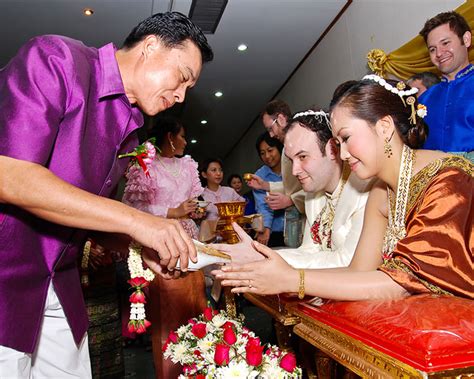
346	229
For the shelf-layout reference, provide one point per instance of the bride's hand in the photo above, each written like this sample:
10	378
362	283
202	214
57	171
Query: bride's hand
242	252
265	277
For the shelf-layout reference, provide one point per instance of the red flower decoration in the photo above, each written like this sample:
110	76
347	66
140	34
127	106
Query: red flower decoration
229	336
254	352
137	297
138	282
173	337
288	362
228	324
221	355
208	314
199	330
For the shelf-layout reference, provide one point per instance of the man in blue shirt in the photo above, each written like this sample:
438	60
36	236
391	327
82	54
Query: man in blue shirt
450	103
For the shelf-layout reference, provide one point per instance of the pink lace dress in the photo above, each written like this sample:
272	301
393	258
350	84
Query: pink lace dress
171	181
171	302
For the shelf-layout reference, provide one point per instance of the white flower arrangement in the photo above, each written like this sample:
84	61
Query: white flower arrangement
213	345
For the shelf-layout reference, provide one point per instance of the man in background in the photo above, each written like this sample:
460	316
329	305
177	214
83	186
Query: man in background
288	193
450	103
423	81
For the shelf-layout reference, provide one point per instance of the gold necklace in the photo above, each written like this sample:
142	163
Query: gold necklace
321	230
173	171
396	223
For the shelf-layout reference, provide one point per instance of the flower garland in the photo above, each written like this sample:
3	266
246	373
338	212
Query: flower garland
139	279
399	90
143	154
213	345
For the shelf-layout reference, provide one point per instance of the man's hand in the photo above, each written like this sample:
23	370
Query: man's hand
167	237
258	183
276	200
152	260
242	252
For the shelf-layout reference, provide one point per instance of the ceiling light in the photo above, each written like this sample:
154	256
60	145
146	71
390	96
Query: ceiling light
242	47
218	94
193	141
204	122
88	11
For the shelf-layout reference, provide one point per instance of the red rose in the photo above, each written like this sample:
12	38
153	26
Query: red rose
139	282
131	326
199	330
173	337
254	352
208	313
288	362
140	328
228	324
221	355
229	336
192	321
146	323
200	376
197	353
137	297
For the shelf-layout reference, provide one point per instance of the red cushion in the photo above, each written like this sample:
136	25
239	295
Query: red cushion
428	332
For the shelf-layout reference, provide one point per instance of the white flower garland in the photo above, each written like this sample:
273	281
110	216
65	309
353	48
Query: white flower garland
399	90
389	87
135	263
139	278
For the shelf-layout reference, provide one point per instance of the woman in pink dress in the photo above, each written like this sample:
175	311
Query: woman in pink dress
170	191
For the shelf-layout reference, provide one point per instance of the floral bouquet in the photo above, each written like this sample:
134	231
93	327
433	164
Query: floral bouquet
216	346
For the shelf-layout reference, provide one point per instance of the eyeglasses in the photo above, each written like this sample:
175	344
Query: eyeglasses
269	128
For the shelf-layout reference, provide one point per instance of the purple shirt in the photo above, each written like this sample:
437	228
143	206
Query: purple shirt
62	105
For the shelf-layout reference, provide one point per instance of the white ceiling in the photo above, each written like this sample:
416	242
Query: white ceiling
279	33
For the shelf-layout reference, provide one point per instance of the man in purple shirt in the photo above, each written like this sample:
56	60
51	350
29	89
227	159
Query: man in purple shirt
66	112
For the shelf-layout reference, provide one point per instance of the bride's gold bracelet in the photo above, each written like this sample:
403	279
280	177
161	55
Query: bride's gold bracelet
301	287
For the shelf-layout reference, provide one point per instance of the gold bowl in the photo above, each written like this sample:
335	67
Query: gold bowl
230	209
247	176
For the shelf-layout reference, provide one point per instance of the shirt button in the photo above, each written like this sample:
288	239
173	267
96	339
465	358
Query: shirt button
108	183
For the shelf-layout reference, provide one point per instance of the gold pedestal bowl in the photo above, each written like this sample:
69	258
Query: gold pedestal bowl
229	212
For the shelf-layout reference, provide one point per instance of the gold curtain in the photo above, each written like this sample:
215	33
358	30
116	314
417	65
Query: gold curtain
412	57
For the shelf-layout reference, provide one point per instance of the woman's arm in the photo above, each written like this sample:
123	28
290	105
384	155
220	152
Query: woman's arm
273	275
358	281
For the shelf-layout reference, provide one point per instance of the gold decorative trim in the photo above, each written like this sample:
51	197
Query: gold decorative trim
360	358
276	309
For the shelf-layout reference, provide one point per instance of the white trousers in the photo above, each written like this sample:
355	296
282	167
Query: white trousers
56	355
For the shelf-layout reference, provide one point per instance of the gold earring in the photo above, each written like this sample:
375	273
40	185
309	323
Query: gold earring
172	146
387	147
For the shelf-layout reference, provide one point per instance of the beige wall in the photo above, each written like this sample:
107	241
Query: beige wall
341	55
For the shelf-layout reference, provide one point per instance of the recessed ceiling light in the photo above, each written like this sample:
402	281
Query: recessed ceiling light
218	94
88	11
203	122
193	141
242	47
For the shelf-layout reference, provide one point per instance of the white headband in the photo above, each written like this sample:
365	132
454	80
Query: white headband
399	90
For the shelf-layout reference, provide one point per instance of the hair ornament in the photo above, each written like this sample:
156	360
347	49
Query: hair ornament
318	115
401	92
421	111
